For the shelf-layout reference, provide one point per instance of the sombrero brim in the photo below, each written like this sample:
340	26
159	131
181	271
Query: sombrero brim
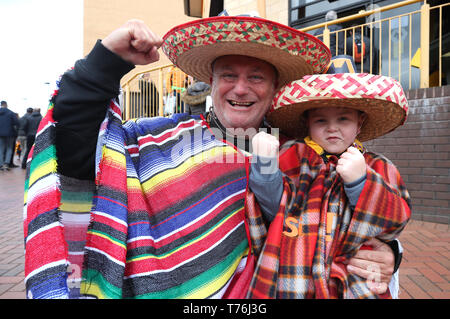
381	98
195	45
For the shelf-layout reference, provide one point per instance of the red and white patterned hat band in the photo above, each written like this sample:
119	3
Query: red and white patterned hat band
195	45
380	97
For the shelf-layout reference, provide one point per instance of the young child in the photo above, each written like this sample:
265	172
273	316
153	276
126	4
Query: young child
329	195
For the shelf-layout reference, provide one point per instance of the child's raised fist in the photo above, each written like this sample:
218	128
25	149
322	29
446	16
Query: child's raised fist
265	145
351	166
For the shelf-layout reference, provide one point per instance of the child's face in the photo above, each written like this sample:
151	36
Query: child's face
334	128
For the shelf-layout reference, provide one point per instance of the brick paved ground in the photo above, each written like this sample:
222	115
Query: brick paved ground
11	234
424	273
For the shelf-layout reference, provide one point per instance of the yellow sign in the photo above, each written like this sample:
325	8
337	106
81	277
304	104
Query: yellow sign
416	59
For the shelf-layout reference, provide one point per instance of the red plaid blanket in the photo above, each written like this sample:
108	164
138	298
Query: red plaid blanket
315	231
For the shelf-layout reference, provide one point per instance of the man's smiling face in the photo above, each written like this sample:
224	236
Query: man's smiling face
242	89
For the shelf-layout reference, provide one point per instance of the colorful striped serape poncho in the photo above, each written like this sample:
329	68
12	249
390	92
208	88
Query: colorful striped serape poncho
315	231
167	217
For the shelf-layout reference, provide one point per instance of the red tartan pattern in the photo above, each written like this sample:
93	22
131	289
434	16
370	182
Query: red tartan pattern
308	265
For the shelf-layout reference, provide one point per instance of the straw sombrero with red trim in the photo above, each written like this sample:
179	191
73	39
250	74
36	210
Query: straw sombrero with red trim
380	97
194	46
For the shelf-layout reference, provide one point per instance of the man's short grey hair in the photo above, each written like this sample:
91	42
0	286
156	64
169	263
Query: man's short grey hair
331	15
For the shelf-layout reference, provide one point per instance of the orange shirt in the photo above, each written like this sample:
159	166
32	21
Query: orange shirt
176	80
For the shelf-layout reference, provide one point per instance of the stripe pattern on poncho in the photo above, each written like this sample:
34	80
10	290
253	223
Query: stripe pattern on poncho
315	231
167	217
46	250
75	211
56	216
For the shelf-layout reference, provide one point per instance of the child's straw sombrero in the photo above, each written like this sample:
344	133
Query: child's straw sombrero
380	97
194	46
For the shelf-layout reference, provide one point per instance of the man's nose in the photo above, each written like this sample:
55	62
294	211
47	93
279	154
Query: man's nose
241	86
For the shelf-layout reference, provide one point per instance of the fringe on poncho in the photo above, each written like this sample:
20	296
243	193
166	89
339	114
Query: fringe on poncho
302	253
164	219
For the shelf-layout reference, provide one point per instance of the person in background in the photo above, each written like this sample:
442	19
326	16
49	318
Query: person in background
22	133
32	126
337	39
10	161
358	47
8	124
176	84
194	97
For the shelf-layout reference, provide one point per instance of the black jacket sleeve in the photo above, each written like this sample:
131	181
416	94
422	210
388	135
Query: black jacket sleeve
80	106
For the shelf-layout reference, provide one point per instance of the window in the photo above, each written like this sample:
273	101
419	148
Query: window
303	13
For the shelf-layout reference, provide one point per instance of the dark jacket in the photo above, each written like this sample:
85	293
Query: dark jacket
8	122
336	36
364	53
194	97
23	124
80	106
33	123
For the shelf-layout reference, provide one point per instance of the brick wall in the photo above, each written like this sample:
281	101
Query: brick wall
421	151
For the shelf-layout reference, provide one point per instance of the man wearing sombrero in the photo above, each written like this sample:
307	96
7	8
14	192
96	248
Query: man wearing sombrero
337	196
165	217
